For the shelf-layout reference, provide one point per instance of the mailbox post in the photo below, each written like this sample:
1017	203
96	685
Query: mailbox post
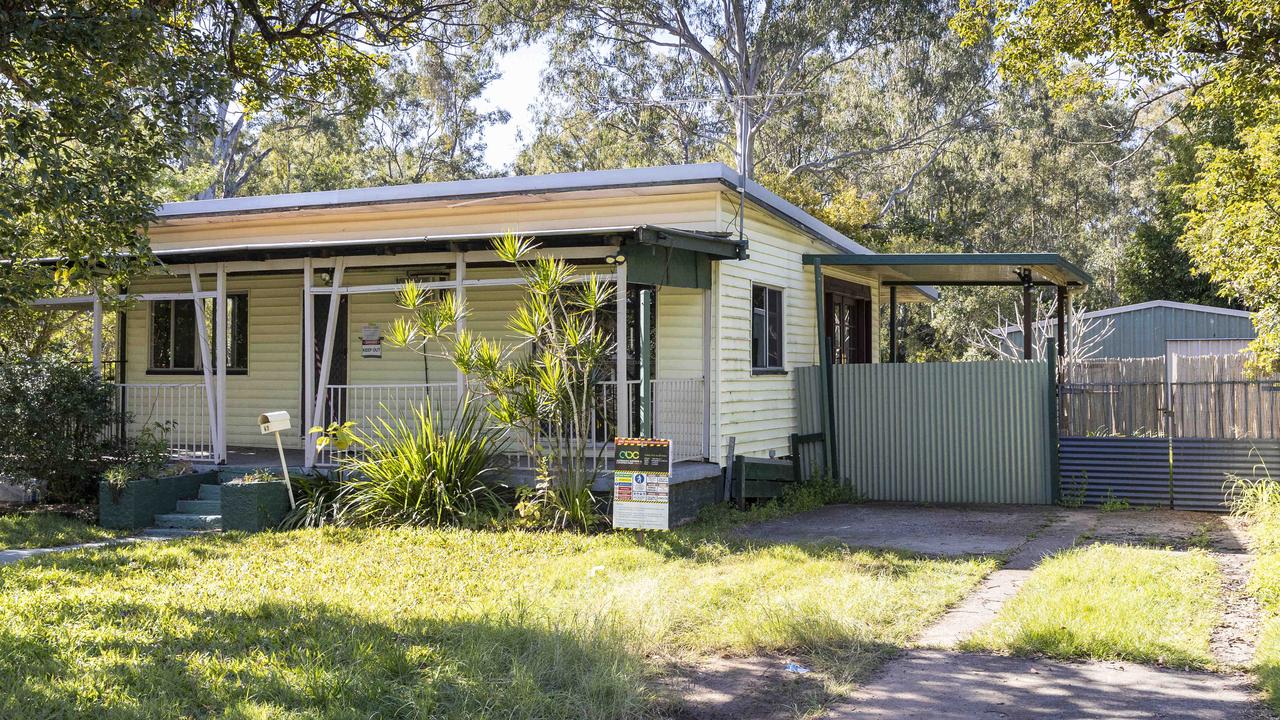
274	422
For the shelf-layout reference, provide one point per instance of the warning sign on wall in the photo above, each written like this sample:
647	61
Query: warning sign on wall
641	482
371	341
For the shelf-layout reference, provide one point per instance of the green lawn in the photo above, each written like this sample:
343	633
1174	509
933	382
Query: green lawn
442	624
1112	602
1261	505
43	529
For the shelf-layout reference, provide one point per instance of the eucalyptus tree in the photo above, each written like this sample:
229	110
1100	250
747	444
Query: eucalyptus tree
1167	56
98	96
753	59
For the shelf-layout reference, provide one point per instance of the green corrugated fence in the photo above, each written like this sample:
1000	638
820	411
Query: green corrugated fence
970	432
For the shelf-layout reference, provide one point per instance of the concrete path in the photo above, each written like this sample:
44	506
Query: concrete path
981	606
12	556
942	685
932	682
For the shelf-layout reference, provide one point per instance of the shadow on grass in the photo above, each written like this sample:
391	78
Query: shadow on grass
1066	644
320	661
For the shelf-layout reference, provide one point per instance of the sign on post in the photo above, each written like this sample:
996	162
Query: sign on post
641	481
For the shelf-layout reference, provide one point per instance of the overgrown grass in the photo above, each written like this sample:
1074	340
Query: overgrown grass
45	529
442	623
1112	602
1259	502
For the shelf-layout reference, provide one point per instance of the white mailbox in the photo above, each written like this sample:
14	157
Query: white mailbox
274	421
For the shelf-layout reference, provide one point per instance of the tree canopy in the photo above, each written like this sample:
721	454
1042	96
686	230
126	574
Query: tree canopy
98	98
1186	63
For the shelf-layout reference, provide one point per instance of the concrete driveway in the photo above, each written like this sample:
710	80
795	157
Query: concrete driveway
930	679
932	530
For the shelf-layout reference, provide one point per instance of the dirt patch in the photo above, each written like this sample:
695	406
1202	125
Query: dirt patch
930	530
1235	640
1176	529
741	687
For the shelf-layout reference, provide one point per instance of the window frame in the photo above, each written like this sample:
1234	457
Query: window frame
198	360
768	369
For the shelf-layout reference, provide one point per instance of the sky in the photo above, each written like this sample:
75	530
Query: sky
514	92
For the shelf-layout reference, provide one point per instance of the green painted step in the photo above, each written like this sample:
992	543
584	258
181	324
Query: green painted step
199	507
189	521
211	492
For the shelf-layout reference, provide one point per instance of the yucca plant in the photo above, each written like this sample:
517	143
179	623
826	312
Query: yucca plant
544	387
423	470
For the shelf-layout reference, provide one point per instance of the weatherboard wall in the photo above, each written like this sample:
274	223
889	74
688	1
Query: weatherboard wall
761	410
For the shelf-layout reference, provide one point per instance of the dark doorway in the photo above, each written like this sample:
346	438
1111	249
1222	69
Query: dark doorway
336	404
848	315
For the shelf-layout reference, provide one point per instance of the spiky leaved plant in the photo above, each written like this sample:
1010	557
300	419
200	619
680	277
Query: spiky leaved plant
544	385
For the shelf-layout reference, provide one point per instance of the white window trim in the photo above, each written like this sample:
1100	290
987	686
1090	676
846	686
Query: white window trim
782	328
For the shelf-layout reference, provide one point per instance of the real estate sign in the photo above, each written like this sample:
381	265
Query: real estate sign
641	480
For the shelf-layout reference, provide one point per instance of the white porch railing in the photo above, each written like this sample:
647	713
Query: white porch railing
679	413
181	409
366	404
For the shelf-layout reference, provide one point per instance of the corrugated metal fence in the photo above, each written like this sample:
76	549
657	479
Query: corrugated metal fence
1137	470
1170	431
973	432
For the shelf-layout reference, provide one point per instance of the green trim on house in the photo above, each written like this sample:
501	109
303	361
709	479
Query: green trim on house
964	268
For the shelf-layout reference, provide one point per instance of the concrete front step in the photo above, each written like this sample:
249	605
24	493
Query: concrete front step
189	521
199	507
211	492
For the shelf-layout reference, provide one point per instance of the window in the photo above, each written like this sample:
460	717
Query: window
175	347
766	328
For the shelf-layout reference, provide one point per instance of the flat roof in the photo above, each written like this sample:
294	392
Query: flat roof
516	186
964	268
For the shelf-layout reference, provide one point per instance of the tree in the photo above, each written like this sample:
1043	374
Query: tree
97	97
1233	229
1153	265
756	60
1222	58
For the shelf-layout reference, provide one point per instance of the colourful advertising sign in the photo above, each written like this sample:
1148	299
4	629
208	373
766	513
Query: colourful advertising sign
641	481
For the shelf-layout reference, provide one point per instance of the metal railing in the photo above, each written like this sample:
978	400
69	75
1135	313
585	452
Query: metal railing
178	412
367	404
679	413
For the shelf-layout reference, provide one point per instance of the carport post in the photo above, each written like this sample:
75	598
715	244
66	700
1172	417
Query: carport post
893	323
824	359
1028	309
1055	479
1061	310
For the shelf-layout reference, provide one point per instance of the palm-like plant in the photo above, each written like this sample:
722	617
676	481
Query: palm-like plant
544	386
423	471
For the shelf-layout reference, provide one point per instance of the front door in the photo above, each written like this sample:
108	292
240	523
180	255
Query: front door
335	403
848	311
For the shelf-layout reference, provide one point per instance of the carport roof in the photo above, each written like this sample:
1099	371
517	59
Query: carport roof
963	268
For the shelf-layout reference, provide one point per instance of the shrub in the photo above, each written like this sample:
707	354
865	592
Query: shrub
261	475
320	500
422	472
55	417
145	455
544	385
